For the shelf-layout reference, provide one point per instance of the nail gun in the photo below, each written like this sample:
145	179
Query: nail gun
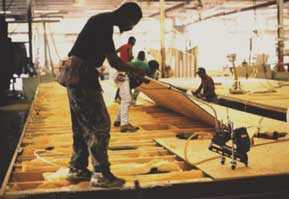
240	144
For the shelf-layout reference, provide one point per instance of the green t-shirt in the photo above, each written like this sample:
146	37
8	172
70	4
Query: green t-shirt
142	65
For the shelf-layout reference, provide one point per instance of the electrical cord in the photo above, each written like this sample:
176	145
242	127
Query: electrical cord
186	147
216	157
36	151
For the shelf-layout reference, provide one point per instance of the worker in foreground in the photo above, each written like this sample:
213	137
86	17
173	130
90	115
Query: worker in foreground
90	119
207	87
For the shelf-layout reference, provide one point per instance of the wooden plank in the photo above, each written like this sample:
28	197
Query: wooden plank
47	138
182	128
27	188
112	154
30	176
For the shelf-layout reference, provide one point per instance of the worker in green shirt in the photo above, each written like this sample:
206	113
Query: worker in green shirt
141	64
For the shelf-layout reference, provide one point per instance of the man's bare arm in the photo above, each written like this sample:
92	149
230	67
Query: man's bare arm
129	53
199	89
118	64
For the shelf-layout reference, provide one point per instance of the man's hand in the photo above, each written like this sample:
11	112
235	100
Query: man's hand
196	94
100	70
120	77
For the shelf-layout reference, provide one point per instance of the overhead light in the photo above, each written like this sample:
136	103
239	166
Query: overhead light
46	18
79	2
9	19
6	12
97	11
46	11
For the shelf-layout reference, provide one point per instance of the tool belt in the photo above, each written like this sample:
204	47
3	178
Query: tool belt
71	71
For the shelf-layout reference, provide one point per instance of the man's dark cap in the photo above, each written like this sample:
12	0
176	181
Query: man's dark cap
201	70
131	10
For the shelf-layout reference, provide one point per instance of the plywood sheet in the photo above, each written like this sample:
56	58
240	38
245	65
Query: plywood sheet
165	95
266	158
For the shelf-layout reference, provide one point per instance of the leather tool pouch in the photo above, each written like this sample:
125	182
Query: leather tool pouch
69	75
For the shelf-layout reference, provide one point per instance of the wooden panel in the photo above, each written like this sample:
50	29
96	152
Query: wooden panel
130	154
166	96
267	157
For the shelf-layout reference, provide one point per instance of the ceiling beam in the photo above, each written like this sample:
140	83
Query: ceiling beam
174	7
235	11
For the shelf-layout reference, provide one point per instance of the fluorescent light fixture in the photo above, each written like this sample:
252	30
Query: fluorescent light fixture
79	3
47	19
97	11
10	19
7	12
46	11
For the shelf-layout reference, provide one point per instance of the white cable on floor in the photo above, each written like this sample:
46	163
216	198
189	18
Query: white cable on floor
36	151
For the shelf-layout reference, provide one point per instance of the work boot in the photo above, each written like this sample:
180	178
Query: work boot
117	100
116	123
128	128
77	175
106	180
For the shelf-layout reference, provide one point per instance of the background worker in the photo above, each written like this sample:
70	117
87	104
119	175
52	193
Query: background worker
151	72
122	80
153	69
168	72
125	53
207	87
90	119
139	63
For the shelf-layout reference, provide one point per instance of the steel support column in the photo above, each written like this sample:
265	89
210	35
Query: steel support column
4	7
29	15
280	48
162	35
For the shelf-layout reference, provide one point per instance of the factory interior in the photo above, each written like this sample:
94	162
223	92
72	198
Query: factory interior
144	99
